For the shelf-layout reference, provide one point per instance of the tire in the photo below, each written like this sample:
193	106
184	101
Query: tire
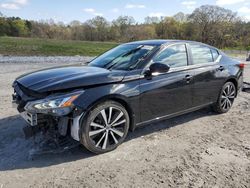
105	127
226	98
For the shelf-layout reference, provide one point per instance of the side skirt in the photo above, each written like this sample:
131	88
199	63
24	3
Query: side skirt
172	115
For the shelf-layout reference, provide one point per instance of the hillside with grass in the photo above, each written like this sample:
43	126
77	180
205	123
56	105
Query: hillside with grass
51	47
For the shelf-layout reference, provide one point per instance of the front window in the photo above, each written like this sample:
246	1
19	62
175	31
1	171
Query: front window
173	56
123	57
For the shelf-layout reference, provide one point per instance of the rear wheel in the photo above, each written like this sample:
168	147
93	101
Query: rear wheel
226	98
105	127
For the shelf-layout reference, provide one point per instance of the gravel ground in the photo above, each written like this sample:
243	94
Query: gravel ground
199	149
43	59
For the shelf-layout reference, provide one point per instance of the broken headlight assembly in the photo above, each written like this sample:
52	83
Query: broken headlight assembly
58	105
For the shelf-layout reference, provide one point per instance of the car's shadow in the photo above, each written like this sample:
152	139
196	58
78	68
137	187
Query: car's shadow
14	149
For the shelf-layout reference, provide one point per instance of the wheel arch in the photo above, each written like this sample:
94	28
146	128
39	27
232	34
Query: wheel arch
235	82
120	99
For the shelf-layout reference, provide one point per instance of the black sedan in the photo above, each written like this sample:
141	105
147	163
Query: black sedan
131	85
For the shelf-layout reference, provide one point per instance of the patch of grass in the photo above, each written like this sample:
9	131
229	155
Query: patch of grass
47	47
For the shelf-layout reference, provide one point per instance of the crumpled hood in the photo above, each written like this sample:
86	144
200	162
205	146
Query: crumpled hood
68	77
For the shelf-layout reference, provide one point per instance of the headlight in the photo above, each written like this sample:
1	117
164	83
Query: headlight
57	105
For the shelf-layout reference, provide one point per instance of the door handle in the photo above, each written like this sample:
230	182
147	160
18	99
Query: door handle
221	68
188	78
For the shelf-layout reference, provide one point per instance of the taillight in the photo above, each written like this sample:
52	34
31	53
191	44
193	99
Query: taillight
241	65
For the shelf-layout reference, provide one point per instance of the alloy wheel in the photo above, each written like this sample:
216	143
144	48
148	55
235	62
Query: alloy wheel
227	97
108	128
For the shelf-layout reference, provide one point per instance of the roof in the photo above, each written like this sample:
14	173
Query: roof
156	42
159	42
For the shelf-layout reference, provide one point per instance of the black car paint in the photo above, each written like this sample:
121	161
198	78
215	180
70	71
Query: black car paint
63	78
145	98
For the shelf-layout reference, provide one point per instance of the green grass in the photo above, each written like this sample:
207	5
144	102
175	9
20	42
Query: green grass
50	47
46	47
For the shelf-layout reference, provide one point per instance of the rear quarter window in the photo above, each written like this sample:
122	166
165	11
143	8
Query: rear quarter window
201	54
215	54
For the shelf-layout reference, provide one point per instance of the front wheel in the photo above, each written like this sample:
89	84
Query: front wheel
105	127
226	98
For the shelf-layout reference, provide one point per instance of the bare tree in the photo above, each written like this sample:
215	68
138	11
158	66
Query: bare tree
122	25
213	23
181	17
152	20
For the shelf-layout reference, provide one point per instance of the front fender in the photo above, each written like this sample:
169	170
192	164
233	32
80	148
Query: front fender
127	93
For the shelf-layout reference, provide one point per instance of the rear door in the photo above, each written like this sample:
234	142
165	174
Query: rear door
208	73
167	93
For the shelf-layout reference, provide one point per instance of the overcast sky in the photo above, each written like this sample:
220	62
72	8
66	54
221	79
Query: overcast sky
68	10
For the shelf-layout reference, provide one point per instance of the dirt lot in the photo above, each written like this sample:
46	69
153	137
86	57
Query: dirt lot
200	149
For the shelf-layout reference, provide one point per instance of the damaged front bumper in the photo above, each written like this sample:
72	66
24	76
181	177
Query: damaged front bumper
63	126
30	118
55	112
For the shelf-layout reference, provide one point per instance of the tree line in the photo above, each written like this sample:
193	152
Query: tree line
213	25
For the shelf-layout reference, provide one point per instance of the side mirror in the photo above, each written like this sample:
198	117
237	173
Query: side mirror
156	68
159	68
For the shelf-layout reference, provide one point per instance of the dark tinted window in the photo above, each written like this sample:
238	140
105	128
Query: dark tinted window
173	56
201	54
215	54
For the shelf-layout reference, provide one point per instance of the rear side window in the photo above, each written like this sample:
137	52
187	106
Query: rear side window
201	54
173	56
215	54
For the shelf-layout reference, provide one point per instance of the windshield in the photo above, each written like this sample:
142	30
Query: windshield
123	57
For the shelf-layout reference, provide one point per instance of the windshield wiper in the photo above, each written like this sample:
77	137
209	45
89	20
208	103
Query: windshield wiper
111	64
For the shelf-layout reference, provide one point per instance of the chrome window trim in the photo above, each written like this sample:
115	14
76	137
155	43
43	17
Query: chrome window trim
189	60
188	67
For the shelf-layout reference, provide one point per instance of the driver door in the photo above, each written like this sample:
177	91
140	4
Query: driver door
168	93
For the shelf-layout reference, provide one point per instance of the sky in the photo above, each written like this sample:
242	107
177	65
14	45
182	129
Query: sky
82	10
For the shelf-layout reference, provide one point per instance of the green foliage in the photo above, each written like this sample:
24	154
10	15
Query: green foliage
20	28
